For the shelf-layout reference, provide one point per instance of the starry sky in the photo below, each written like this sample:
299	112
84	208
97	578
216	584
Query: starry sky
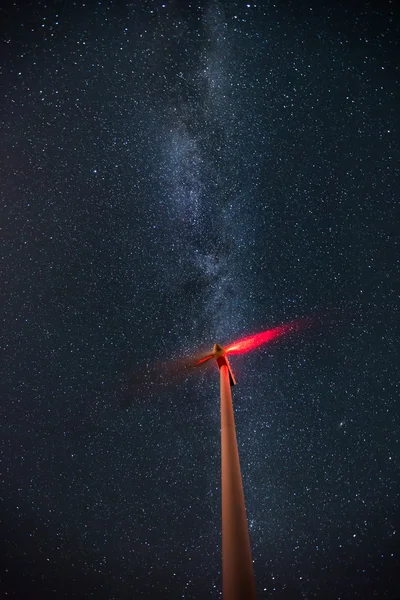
176	174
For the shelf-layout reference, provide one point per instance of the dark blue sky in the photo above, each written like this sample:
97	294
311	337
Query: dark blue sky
174	175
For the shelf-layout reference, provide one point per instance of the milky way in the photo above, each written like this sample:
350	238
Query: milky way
173	176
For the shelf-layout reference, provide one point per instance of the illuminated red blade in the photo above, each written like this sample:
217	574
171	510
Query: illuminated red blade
204	359
249	343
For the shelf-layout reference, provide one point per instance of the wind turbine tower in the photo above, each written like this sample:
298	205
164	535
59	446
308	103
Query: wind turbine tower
238	581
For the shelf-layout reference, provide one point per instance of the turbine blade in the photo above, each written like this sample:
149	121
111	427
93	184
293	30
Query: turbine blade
141	381
253	341
203	359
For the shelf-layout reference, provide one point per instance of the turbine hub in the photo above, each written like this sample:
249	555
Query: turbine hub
218	351
222	360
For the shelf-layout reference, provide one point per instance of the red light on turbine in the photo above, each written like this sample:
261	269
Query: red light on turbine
249	343
204	359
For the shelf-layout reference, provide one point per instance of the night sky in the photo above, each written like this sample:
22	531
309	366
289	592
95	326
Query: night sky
175	175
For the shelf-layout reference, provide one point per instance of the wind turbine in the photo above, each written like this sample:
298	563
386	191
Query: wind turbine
238	582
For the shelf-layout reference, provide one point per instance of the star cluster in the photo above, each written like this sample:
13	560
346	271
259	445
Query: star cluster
173	175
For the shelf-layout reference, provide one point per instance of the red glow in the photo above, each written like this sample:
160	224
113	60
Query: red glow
249	343
204	359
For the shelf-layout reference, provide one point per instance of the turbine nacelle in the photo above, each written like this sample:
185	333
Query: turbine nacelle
218	351
220	355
